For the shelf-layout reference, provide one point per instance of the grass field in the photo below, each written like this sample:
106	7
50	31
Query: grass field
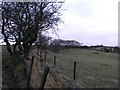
93	70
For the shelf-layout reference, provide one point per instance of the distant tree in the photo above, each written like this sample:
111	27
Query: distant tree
116	49
85	47
55	45
42	42
72	44
59	44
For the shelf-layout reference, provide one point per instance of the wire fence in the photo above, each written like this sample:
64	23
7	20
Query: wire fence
83	69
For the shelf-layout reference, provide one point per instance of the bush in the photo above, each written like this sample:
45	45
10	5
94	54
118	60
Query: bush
19	68
55	48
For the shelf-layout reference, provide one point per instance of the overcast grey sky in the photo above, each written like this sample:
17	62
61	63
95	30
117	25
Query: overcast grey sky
91	22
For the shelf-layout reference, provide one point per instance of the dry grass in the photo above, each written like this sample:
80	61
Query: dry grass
93	70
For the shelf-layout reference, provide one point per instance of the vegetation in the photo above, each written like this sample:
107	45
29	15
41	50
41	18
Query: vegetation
13	71
58	44
42	42
94	69
22	21
23	24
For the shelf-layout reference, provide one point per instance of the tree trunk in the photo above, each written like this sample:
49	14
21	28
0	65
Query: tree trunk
14	48
20	47
8	46
26	51
19	44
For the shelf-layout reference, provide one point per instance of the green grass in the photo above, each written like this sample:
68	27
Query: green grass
93	70
15	67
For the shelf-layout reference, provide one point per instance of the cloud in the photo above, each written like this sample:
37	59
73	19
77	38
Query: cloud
90	21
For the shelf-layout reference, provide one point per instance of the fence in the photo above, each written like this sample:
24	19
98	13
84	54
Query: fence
42	74
87	69
54	62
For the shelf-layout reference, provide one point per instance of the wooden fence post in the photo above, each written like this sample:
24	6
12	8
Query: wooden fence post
45	55
54	60
44	78
37	51
40	54
29	75
74	74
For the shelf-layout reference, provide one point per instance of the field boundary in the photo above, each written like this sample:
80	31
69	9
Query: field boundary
55	78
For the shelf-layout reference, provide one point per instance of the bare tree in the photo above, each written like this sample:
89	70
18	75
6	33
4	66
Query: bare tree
21	22
42	42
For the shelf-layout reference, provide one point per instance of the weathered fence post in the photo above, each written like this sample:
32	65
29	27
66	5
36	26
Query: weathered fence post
54	60
45	55
44	78
74	74
29	75
37	52
40	54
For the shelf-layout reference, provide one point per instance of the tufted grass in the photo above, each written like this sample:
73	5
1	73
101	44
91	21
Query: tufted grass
94	69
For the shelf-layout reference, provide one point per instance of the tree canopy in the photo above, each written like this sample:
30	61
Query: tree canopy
21	22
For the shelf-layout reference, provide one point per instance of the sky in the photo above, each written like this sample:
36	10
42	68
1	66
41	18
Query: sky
91	22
